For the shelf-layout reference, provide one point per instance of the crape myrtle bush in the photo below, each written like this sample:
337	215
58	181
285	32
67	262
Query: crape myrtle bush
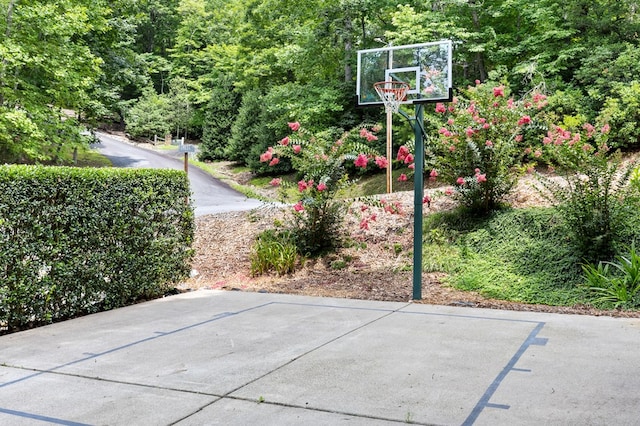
478	143
77	241
321	161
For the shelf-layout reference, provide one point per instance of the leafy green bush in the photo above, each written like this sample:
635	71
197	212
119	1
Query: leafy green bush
249	135
77	241
39	135
609	78
148	116
622	111
593	198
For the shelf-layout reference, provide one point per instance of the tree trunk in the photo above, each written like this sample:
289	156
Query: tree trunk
348	47
479	56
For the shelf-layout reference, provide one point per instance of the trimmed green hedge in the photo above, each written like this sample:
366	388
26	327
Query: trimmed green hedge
77	241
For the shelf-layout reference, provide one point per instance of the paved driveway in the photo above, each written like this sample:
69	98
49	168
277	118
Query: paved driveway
210	195
233	358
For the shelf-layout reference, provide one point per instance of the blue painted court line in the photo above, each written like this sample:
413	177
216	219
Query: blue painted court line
157	335
483	403
41	418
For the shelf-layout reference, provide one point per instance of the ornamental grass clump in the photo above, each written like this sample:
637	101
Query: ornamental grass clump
273	251
616	284
477	144
320	161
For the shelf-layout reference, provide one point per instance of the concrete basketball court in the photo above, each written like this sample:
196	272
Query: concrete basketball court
232	358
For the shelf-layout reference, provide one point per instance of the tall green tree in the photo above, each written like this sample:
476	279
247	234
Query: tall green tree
219	118
147	117
45	68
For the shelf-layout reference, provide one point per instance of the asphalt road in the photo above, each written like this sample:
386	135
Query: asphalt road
210	195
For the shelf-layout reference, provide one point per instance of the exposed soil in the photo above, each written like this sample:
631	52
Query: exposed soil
378	267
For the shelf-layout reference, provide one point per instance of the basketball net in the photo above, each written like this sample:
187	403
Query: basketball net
392	93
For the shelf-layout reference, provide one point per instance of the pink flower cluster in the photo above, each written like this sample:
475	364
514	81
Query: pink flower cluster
295	126
361	161
445	132
303	185
540	100
525	119
591	130
558	136
382	162
480	177
404	156
364	223
368	135
268	157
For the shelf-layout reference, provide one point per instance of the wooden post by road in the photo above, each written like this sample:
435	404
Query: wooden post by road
186	149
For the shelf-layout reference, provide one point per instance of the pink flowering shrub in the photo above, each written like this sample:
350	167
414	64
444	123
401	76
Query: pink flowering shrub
595	194
477	147
321	161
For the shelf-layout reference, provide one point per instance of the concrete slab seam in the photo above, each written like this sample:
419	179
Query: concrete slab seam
401	310
484	401
434	314
332	340
125	383
306	408
156	335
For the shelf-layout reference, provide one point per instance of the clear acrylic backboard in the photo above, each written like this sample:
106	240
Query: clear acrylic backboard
425	67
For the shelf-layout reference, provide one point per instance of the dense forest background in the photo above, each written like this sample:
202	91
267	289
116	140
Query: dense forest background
233	73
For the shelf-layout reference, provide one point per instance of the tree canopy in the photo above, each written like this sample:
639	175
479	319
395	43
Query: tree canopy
159	65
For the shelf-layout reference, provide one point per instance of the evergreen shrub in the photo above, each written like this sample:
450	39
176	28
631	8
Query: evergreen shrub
78	241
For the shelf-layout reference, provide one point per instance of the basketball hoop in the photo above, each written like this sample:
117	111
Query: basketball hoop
391	93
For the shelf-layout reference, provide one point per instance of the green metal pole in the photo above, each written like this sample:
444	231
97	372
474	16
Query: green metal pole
418	191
